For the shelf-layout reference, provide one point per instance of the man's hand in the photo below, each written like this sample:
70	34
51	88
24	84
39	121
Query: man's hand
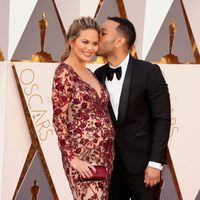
151	176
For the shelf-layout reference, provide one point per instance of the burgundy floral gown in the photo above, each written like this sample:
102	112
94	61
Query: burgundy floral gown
84	129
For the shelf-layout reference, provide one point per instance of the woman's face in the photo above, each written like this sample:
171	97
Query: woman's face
86	45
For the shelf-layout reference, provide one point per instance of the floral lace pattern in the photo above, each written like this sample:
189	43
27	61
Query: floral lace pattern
84	128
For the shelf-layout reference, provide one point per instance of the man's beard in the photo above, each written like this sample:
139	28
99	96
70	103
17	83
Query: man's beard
98	53
101	53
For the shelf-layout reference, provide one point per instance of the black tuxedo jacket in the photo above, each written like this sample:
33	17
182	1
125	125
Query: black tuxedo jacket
143	125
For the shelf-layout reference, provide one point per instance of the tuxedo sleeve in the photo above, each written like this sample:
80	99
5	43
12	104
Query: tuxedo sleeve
158	97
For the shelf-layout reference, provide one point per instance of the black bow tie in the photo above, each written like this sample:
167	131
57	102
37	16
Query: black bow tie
110	72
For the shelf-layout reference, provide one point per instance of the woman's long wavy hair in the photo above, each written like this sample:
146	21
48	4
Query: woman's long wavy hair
78	25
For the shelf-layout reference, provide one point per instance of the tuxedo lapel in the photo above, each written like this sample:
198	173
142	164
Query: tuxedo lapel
103	75
123	103
112	114
103	78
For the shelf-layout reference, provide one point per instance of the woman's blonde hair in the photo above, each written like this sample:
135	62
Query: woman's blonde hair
78	25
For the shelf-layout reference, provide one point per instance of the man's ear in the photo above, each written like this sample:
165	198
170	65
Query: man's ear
121	41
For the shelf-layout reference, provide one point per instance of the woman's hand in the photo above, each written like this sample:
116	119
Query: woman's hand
83	167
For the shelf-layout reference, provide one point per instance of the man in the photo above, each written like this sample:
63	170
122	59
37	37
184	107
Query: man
140	110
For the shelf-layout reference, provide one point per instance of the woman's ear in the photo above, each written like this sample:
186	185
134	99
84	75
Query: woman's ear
71	43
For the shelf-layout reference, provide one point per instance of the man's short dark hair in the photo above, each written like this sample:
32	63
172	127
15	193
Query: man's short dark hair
126	28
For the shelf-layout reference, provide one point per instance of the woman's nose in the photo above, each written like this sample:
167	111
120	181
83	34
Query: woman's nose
89	46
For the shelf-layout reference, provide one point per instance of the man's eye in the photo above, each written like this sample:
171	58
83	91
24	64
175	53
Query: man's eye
102	33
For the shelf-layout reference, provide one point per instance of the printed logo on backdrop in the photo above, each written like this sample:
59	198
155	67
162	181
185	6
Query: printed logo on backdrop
174	125
35	101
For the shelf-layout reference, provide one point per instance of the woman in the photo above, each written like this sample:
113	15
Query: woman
81	117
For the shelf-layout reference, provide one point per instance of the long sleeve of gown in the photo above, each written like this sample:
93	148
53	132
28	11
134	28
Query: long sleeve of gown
61	97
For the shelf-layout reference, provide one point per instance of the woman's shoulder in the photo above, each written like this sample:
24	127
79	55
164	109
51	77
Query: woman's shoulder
62	72
62	69
62	66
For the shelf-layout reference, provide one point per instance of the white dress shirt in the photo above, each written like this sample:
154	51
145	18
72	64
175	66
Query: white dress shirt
114	88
